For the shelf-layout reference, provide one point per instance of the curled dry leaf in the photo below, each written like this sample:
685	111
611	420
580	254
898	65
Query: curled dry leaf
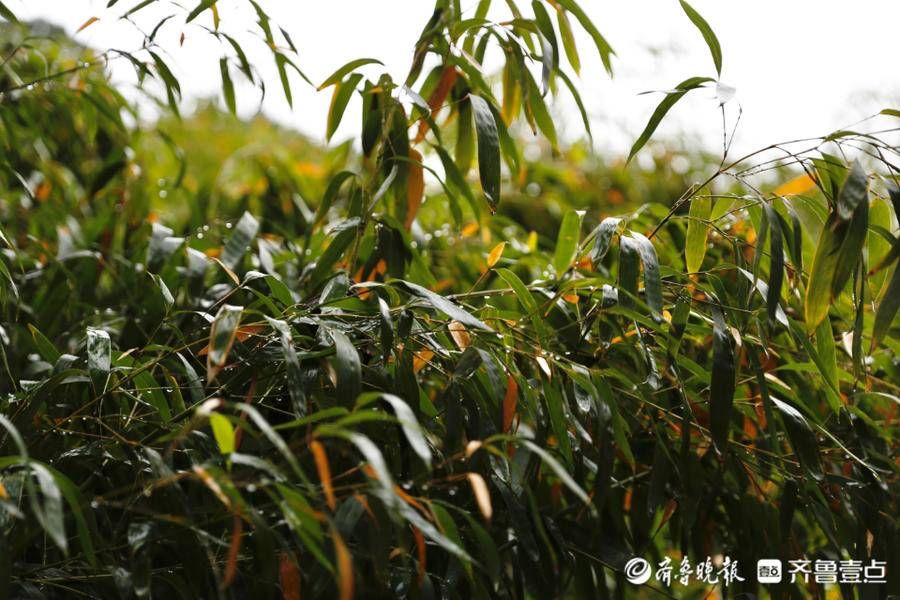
459	334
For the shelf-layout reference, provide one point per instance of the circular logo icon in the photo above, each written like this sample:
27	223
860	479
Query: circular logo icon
637	571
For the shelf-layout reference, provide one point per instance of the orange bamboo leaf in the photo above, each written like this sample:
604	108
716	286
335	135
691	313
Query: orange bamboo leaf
421	359
420	551
87	24
234	549
318	451
437	98
510	400
345	566
289	577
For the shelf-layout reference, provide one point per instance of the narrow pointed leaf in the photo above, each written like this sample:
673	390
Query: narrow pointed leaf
708	35
722	383
488	150
667	103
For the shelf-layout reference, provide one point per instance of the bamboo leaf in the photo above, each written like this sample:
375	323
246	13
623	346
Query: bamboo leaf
488	150
722	384
708	35
603	238
652	281
442	304
98	354
667	103
339	100
223	432
802	438
221	339
567	241
346	366
339	74
697	230
227	87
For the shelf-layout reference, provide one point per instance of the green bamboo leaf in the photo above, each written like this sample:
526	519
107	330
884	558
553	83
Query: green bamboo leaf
697	230
204	5
708	35
227	86
852	248
722	384
567	241
667	103
442	304
98	355
292	365
50	513
827	355
237	243
221	338
853	192
652	281
776	268
629	270
605	50
603	237
557	469
342	94
45	347
885	315
339	74
488	150
802	438
821	275
411	427
7	14
223	431
465	138
541	114
347	367
568	39
523	295
578	102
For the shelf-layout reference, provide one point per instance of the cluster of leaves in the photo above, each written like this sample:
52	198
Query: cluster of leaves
332	385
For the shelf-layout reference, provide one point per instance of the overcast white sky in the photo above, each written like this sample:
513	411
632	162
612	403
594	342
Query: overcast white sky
801	67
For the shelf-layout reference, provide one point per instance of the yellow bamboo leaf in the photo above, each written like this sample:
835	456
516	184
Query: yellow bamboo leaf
495	254
798	185
482	495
